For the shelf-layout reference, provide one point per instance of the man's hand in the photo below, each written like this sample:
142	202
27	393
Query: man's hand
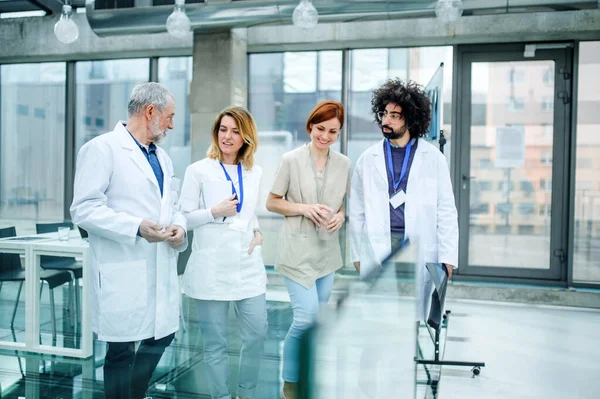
449	268
257	240
357	266
176	236
151	231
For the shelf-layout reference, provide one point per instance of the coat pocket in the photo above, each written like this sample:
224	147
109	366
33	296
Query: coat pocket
295	249
123	286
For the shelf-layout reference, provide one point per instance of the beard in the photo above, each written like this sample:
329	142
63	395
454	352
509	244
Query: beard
394	134
158	135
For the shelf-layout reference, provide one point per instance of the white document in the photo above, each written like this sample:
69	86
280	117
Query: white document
214	192
398	199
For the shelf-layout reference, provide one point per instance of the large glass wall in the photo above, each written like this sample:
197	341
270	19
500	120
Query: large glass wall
175	73
284	88
103	90
370	68
586	255
32	144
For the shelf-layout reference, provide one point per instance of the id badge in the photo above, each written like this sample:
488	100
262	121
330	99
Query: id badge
238	224
398	199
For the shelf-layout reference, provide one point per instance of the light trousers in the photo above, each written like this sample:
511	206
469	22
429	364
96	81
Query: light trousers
251	315
305	306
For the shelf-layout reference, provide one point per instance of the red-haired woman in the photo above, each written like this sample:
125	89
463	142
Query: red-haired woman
309	190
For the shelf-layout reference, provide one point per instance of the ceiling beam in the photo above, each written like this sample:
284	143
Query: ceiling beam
50	6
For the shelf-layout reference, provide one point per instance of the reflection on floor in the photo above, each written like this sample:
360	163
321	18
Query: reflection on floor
530	352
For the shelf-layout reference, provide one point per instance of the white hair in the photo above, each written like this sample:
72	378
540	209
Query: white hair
148	94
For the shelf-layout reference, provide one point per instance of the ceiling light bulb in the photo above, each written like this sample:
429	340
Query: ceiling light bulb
65	29
449	10
178	23
305	15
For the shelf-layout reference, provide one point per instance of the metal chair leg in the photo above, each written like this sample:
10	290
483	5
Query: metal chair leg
181	313
71	302
77	301
53	316
12	321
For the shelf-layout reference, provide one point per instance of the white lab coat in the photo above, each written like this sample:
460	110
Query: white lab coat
430	213
134	283
219	267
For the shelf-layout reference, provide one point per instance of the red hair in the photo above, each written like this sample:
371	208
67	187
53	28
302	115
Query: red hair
324	111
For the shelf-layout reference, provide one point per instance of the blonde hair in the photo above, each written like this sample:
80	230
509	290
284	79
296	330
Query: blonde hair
248	131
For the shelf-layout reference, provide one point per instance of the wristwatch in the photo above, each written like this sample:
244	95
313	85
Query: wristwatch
257	230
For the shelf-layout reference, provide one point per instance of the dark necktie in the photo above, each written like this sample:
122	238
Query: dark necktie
153	160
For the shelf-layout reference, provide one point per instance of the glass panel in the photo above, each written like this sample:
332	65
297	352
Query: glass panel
586	246
103	90
283	89
511	164
32	144
176	74
370	68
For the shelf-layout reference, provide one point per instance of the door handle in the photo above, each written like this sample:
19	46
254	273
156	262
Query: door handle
467	178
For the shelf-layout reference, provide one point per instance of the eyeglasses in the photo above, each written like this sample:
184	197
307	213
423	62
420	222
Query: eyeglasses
394	116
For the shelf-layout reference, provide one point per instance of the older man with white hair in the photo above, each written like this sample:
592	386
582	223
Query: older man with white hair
123	197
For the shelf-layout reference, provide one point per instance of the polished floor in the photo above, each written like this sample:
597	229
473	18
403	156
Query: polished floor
530	351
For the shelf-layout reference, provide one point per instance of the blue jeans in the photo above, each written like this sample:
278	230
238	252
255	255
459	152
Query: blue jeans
251	314
305	305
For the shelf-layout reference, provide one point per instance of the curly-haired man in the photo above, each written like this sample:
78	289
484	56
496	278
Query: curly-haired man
401	186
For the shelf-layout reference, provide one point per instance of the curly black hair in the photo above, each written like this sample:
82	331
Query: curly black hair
410	96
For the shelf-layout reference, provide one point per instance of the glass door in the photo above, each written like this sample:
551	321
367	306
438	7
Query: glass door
513	155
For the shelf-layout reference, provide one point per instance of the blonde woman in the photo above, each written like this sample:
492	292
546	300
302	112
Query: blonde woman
219	198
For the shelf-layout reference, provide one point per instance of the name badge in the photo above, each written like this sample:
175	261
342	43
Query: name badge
398	199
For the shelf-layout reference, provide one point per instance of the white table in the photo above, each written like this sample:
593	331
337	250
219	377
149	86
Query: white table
48	244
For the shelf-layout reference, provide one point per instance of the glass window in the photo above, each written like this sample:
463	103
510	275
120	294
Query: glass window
515	104
527	208
485	185
586	245
485	163
370	68
283	89
526	186
516	76
32	144
175	73
103	90
546	158
481	209
548	104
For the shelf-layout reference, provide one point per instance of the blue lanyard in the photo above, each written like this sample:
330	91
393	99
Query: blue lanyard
391	163
241	196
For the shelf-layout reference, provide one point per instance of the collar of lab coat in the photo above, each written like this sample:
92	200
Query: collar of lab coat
218	171
379	154
138	157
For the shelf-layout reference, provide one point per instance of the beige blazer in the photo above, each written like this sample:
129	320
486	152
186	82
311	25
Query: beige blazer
302	256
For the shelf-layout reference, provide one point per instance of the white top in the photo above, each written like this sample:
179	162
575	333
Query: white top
220	267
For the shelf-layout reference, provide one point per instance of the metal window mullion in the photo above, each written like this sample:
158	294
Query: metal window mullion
70	141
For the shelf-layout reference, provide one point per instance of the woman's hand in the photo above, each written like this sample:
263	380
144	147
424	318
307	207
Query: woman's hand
257	240
228	207
336	222
319	214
